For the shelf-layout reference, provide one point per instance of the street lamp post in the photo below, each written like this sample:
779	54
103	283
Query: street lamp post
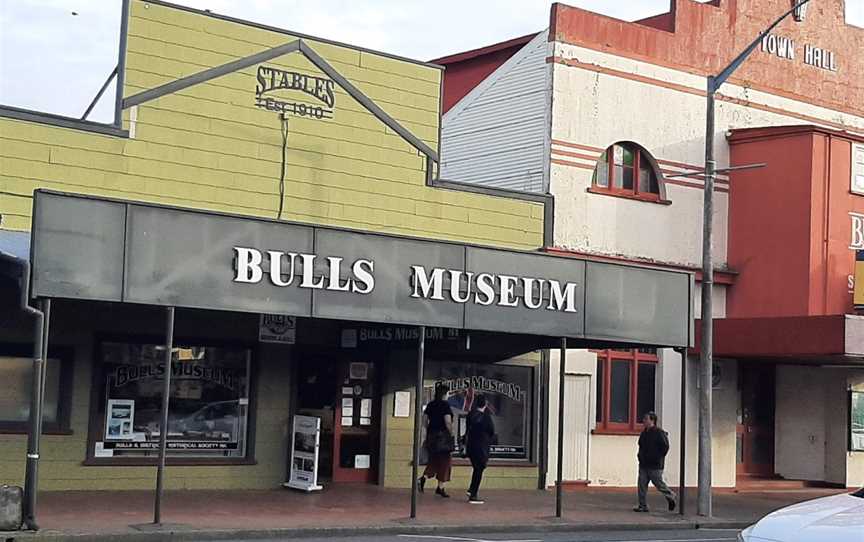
706	376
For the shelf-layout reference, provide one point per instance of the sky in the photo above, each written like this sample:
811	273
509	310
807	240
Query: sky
55	54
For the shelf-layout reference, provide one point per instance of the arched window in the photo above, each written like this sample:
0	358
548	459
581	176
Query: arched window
627	169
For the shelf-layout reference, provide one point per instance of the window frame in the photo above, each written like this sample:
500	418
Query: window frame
64	400
608	157
95	429
634	357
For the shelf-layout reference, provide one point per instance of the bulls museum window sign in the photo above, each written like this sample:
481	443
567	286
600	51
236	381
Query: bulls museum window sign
208	415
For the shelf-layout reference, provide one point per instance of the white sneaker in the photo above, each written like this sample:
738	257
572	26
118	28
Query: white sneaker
475	500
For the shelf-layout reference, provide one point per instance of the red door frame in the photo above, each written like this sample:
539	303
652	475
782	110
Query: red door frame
343	474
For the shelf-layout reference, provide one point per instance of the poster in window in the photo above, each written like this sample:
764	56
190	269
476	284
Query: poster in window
120	415
306	434
277	328
209	400
508	393
856	421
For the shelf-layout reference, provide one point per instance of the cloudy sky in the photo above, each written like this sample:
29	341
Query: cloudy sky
55	54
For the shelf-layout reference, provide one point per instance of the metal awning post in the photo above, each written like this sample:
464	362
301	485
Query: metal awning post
682	445
418	418
37	398
562	370
163	427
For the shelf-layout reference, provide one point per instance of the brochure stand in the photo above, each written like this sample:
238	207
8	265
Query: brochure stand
304	454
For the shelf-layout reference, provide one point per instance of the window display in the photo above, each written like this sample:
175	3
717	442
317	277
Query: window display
208	413
508	391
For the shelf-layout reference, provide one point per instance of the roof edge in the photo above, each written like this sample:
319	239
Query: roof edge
488	49
286	31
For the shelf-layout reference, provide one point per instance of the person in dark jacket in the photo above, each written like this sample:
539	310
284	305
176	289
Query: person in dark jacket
438	418
653	447
480	436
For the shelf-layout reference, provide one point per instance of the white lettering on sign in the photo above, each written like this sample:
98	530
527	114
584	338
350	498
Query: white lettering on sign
248	263
482	288
280	269
857	221
787	49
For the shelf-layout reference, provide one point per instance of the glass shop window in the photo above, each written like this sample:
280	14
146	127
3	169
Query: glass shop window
509	395
208	415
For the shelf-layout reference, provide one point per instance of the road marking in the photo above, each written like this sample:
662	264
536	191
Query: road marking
462	539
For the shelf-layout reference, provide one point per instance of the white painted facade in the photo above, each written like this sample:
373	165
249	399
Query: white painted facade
598	99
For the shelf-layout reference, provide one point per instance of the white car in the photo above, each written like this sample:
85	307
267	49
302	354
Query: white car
838	518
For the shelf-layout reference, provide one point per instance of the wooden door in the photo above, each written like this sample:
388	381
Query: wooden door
357	424
755	431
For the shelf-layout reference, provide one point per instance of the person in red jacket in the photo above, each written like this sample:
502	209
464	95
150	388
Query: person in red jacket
653	447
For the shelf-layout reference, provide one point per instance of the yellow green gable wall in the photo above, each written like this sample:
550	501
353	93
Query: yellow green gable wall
209	147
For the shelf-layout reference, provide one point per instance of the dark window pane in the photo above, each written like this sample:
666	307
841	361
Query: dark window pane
619	407
645	389
599	385
628	178
17	377
647	178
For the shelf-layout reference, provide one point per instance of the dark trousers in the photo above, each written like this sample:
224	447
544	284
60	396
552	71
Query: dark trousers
479	465
655	476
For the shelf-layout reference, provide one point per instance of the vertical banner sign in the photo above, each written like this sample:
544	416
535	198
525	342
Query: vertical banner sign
277	328
858	296
304	453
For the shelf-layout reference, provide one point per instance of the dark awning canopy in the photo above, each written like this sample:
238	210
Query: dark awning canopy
121	251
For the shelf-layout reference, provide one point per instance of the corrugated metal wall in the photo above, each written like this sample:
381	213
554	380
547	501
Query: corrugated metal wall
497	134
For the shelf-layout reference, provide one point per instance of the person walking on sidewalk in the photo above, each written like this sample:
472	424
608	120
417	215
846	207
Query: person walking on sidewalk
438	418
480	436
653	447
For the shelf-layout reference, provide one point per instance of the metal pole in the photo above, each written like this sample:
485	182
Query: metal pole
707	351
704	507
562	367
682	447
121	64
99	94
31	474
163	427
418	418
543	401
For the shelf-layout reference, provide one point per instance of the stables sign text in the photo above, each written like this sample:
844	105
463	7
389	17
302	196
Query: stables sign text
273	79
284	269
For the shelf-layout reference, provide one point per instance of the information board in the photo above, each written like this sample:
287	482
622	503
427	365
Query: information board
306	436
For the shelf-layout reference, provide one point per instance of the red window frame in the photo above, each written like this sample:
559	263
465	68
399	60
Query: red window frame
635	193
634	357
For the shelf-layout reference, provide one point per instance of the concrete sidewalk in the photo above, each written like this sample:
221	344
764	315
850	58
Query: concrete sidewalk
356	509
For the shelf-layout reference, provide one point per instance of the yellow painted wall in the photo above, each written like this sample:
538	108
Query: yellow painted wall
209	147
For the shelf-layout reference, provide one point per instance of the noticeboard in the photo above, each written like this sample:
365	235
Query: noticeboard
306	435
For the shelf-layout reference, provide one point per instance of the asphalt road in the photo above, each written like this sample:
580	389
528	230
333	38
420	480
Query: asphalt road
701	535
